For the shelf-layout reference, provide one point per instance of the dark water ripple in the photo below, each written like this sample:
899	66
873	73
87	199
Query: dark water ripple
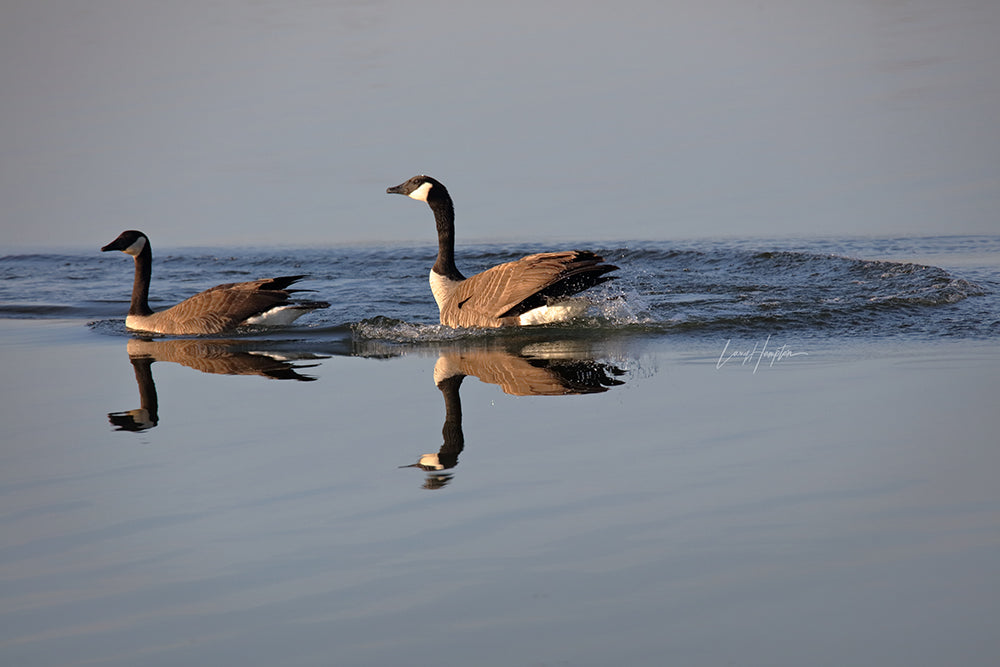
831	287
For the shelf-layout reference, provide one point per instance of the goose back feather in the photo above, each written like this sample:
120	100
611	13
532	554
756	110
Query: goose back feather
500	295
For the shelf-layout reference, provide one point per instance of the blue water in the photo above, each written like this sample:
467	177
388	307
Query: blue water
865	289
660	500
622	489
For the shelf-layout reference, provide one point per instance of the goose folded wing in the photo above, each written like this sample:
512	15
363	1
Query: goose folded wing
510	289
223	307
277	285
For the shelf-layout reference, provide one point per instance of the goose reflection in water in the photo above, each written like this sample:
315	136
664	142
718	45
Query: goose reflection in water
540	369
223	357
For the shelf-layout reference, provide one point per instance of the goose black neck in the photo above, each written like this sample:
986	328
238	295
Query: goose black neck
140	286
444	216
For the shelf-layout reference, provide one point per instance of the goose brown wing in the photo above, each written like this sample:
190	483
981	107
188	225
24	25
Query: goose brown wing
263	285
510	289
226	306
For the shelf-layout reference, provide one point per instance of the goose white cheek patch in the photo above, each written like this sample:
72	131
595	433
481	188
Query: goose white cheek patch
420	194
136	247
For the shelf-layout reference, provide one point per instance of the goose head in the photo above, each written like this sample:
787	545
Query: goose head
421	188
130	242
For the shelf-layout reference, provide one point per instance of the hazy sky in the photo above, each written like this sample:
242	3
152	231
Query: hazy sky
238	122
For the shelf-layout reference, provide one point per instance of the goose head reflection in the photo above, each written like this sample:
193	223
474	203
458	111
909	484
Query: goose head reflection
223	357
540	369
146	416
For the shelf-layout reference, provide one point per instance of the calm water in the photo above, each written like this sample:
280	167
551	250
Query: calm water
752	452
271	122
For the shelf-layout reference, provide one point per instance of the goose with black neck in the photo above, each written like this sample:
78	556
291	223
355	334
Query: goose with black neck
266	302
536	289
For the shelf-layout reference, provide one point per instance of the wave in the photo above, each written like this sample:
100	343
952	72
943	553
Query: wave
689	288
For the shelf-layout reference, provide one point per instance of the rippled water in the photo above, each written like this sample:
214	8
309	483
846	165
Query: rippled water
858	288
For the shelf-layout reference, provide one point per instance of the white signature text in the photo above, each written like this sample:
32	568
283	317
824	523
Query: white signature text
755	355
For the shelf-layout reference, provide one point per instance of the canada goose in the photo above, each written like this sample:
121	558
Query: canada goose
532	290
213	311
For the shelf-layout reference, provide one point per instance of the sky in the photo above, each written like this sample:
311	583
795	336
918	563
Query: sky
231	122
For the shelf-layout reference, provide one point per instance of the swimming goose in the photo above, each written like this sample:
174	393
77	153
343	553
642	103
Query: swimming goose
536	289
221	308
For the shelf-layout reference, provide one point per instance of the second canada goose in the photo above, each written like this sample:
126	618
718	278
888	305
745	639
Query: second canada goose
220	308
536	289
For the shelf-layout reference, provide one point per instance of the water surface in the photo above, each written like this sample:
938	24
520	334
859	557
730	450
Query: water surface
751	452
